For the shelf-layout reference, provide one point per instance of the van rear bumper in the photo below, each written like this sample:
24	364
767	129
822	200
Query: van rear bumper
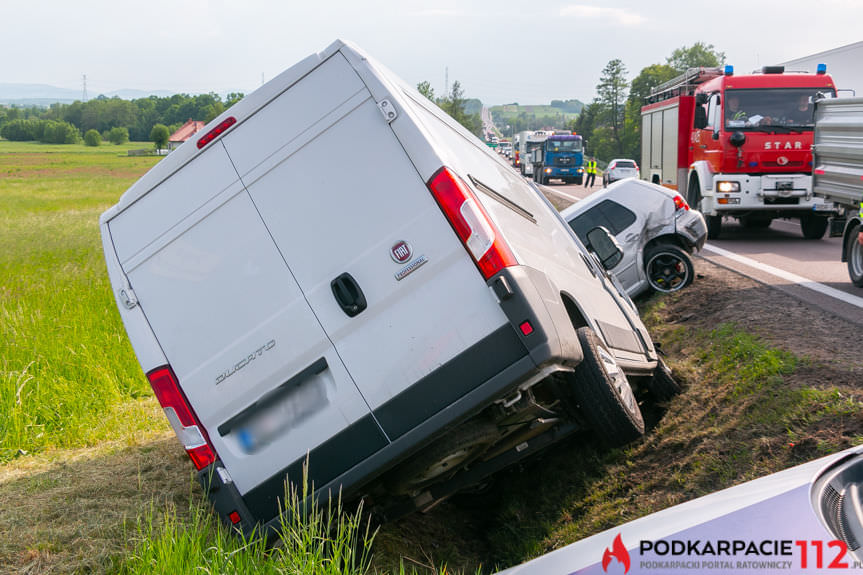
471	381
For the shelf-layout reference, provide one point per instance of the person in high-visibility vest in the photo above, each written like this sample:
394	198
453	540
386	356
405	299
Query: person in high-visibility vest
591	172
860	233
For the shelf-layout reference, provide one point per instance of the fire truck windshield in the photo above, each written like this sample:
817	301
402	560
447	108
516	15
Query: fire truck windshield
757	109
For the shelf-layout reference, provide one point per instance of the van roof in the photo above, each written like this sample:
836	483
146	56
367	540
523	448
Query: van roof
242	110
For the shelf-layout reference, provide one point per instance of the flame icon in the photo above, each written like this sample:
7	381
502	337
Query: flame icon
619	552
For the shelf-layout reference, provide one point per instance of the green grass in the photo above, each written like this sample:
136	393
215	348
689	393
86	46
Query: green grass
68	377
749	410
313	539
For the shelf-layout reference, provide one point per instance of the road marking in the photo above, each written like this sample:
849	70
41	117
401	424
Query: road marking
793	278
559	193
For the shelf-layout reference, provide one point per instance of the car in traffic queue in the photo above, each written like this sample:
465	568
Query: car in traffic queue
655	228
619	169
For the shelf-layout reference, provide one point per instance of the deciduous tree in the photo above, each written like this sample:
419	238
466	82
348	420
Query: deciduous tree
699	54
159	136
92	138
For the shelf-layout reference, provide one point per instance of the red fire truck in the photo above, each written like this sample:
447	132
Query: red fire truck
738	146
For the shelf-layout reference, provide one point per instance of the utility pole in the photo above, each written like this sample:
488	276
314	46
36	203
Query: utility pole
446	81
84	94
262	79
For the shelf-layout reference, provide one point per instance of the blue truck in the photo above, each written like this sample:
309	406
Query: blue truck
561	156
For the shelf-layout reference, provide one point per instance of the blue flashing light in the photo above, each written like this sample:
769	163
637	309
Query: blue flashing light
753	164
822	69
729	70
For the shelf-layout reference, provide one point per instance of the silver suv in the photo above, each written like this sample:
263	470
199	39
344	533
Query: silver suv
655	228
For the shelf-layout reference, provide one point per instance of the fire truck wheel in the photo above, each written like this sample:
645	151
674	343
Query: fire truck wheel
755	223
714	226
813	227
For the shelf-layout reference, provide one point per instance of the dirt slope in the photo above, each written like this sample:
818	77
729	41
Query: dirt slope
771	382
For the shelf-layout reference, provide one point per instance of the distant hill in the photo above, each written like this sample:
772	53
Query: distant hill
532	117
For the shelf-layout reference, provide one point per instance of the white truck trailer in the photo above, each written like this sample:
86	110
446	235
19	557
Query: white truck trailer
838	172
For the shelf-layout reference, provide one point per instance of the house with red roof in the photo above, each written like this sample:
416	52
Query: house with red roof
186	131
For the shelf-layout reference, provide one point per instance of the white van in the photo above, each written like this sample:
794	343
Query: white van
337	269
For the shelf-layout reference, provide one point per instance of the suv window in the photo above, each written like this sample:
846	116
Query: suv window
624	164
608	214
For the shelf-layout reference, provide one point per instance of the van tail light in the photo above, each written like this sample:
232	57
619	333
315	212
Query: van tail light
181	417
471	223
680	203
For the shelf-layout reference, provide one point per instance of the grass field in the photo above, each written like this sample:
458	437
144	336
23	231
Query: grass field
68	377
92	479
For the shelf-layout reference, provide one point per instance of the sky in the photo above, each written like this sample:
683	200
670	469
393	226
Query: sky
504	51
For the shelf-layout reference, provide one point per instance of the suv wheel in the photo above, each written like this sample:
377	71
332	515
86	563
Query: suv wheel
603	393
668	268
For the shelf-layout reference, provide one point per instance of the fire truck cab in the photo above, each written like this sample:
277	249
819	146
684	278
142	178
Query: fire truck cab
738	146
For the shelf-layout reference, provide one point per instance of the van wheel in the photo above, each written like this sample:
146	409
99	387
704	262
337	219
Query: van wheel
668	268
854	255
813	227
662	385
603	393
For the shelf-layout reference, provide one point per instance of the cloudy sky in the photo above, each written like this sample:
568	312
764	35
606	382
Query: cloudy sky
526	51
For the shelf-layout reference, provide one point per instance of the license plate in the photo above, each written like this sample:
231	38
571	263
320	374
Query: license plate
828	207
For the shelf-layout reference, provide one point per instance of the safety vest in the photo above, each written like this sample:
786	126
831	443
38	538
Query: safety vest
861	210
591	167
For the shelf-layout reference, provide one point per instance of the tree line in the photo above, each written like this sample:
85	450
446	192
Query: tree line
611	124
112	118
456	105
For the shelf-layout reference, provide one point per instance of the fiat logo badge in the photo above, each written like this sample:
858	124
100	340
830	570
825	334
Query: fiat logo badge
401	252
781	160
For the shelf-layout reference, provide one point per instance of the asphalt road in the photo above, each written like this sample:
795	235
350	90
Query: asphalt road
810	270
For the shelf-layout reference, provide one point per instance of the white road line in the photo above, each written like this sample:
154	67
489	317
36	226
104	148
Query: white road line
793	278
559	193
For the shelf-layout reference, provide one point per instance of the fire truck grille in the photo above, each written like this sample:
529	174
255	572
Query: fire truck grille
785	165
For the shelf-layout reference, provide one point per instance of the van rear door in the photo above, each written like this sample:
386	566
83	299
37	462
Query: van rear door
351	215
249	353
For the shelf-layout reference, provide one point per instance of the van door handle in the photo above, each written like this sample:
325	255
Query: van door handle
349	295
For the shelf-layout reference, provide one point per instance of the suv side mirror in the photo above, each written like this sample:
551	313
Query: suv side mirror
605	247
